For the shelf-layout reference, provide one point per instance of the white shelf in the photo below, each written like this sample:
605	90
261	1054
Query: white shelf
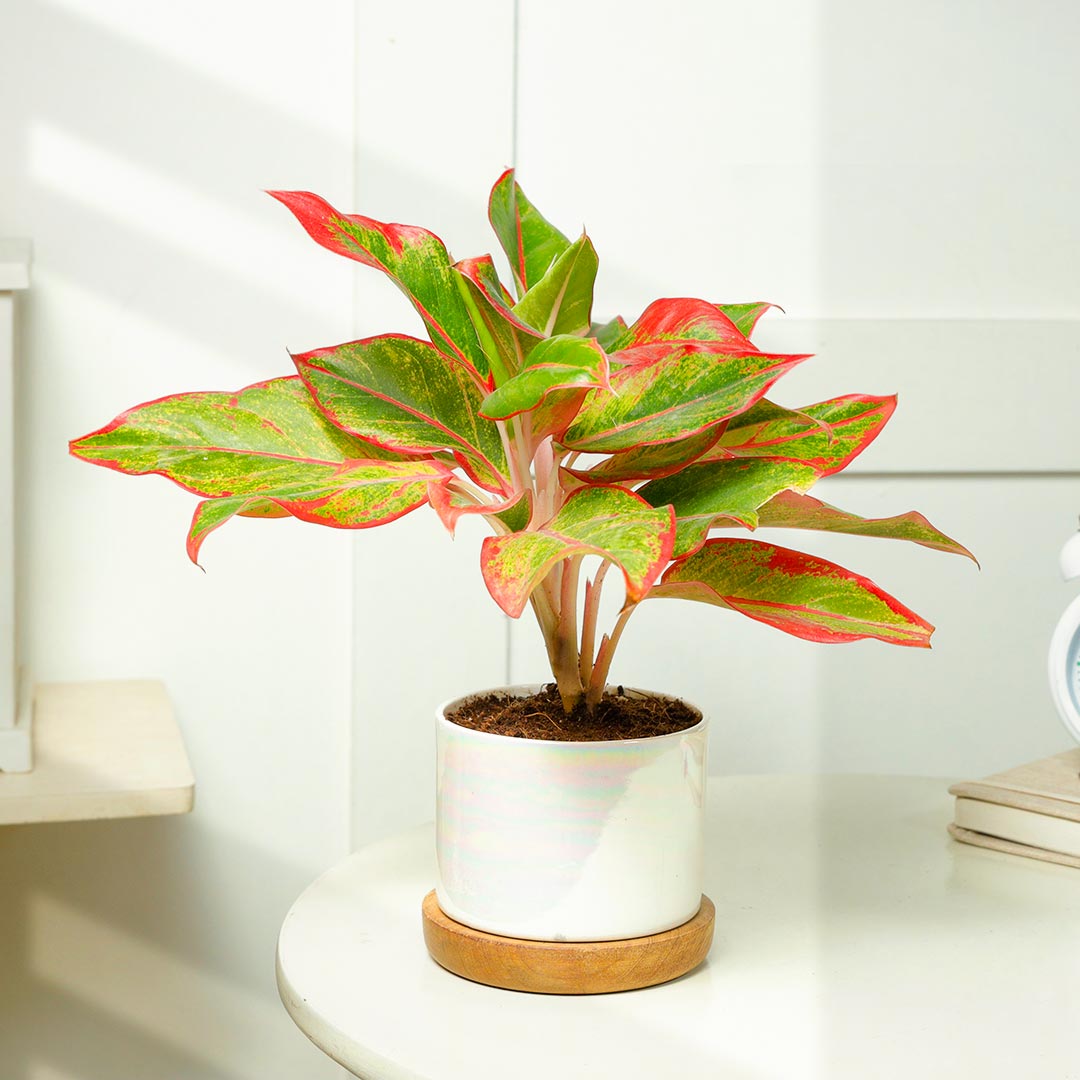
101	750
15	258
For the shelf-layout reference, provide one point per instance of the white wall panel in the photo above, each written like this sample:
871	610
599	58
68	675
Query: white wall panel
843	159
687	141
975	395
949	158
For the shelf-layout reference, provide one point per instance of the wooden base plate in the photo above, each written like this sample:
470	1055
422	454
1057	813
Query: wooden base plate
572	967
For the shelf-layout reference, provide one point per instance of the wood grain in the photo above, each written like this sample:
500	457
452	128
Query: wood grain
575	967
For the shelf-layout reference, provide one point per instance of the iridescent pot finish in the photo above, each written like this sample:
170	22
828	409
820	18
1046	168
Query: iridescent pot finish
569	841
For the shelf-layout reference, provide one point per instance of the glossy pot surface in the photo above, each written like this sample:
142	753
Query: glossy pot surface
569	841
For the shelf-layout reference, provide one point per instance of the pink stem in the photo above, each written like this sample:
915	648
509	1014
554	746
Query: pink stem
604	658
588	623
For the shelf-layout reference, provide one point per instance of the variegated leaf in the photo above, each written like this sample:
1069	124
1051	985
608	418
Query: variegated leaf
650	462
668	325
211	514
797	593
611	522
745	316
561	301
506	338
415	259
608	333
224	444
355	495
403	394
557	363
262	452
530	241
791	510
511	513
704	492
556	413
686	392
828	435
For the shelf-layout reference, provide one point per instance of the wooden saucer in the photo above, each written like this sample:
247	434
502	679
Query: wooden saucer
572	967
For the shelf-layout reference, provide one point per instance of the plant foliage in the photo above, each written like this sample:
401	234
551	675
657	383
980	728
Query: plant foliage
634	443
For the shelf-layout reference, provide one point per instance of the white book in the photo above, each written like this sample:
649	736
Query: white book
1032	810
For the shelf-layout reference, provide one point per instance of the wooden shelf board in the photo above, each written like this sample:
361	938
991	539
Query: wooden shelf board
101	750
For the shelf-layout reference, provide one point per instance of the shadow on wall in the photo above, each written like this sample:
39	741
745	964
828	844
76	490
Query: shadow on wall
145	948
135	161
127	950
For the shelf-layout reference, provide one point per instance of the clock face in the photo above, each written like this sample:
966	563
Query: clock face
1065	668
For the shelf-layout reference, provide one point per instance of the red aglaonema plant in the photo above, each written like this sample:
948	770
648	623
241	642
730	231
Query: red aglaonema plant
571	438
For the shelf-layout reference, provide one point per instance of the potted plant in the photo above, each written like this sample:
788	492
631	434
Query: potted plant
572	811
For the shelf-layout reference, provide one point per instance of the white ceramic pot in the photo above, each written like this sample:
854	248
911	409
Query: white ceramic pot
569	841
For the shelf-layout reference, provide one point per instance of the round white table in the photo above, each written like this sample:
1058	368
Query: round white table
853	939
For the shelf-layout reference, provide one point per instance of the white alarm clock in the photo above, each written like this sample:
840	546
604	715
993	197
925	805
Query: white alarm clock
1065	647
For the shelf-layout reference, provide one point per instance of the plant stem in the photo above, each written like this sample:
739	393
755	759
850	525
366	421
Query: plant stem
511	458
603	658
548	621
469	491
544	464
588	622
524	455
567	675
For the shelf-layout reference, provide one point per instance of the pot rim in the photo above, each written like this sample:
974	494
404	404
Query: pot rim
525	689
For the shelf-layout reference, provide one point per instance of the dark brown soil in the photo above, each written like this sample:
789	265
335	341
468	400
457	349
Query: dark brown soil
624	714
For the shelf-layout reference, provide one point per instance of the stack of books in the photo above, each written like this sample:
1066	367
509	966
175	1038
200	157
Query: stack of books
1032	810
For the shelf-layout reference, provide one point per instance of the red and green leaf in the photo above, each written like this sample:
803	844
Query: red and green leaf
211	514
505	337
561	301
530	241
688	391
702	493
607	521
608	333
828	435
791	510
221	444
357	495
665	325
650	462
262	452
794	592
557	363
512	514
745	316
415	259
556	413
404	395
